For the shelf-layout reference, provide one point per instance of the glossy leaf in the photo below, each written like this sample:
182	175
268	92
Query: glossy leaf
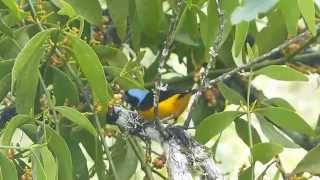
37	168
310	162
231	95
25	72
77	118
264	152
307	10
149	15
286	119
11	127
283	73
187	31
124	79
251	9
111	56
290	14
92	69
5	67
214	124
89	10
7	168
119	10
242	130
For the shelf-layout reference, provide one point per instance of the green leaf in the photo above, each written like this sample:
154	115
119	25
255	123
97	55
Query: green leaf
5	67
124	79
14	8
77	118
37	168
149	15
231	95
59	148
5	83
49	164
214	124
66	9
286	119
310	162
291	15
111	56
187	29
283	73
92	69
308	12
10	128
5	28
209	23
89	10
274	34
64	89
119	11
124	158
279	102
242	130
274	135
264	152
240	37
25	72
246	174
7	168
251	9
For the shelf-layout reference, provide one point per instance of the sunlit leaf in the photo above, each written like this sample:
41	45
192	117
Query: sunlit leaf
7	168
264	152
37	168
291	14
214	124
92	69
25	72
240	37
308	12
242	130
251	9
310	162
11	127
286	119
283	73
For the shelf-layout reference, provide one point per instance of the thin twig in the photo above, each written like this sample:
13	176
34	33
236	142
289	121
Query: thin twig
34	13
267	56
162	59
50	103
213	55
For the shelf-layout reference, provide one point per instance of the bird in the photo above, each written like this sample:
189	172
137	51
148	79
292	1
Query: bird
172	103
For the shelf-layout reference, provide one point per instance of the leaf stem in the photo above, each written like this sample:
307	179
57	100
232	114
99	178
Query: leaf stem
250	122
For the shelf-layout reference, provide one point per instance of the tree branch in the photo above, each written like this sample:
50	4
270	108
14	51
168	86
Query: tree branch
213	55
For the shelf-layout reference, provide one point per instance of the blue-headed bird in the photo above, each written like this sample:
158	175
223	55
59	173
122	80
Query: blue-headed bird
172	103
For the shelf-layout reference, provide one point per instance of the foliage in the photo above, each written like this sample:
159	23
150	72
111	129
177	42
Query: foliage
63	62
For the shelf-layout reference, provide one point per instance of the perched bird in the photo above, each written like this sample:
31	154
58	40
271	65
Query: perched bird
171	102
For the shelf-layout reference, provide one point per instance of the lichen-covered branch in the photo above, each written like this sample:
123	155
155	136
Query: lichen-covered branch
184	155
